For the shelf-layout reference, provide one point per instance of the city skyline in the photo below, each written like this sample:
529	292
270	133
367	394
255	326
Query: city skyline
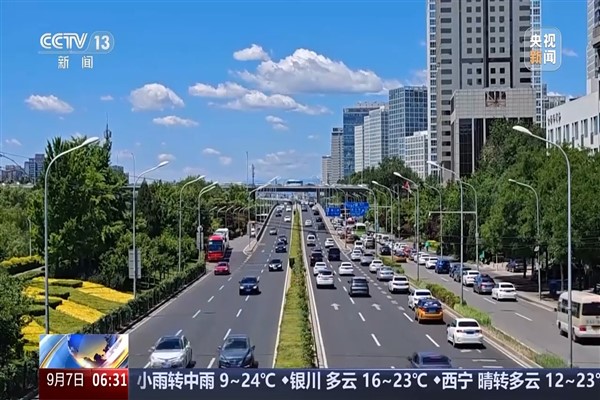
181	112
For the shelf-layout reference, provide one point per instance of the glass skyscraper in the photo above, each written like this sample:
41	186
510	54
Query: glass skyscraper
353	116
407	115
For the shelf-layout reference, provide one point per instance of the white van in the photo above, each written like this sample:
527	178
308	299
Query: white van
311	239
586	314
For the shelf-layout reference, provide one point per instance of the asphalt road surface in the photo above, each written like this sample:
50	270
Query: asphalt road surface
212	308
380	331
533	325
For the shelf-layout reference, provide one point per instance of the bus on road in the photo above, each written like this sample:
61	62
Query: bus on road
586	314
216	249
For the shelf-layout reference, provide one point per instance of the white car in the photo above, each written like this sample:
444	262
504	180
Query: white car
171	352
319	266
504	291
399	283
468	278
430	264
385	274
308	222
288	209
464	331
311	240
423	258
416	256
329	243
287	218
359	245
375	265
325	278
417	295
346	268
355	255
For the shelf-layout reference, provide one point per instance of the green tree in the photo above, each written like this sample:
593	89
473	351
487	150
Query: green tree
13	305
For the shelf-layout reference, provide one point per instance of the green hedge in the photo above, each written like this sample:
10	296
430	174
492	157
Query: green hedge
70	283
17	265
28	276
53	302
471	312
36	310
54	291
19	377
443	294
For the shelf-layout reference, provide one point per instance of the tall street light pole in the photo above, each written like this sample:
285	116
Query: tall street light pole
46	267
462	224
476	225
200	228
391	203
537	227
133	228
181	212
522	129
418	212
439	192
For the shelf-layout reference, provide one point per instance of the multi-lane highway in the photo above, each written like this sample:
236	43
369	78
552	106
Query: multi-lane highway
531	324
212	308
380	331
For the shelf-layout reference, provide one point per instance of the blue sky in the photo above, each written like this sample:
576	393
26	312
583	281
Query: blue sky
285	70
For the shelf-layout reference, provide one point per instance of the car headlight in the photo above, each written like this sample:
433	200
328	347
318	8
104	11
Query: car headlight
254	287
241	287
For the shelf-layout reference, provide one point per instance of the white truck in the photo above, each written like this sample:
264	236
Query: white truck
224	233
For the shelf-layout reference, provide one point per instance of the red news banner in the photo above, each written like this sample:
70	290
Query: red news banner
83	384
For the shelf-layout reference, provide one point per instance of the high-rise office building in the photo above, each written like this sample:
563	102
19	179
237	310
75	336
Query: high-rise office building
35	167
375	131
431	80
417	153
479	45
325	170
359	148
353	116
593	46
407	115
337	139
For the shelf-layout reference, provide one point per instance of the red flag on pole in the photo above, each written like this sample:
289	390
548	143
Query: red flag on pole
406	186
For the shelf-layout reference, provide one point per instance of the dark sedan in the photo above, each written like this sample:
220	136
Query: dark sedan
385	251
275	265
280	249
249	285
430	360
237	352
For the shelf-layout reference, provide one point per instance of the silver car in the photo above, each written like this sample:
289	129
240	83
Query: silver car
385	274
171	352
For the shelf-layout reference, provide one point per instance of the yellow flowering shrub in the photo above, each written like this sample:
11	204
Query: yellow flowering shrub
95	289
31	291
32	331
79	311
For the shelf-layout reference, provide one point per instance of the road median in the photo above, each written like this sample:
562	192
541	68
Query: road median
296	344
501	339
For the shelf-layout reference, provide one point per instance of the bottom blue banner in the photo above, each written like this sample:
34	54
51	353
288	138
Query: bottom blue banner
277	384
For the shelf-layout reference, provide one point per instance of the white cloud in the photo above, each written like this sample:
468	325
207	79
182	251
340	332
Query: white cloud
12	142
306	71
211	152
257	100
419	78
166	157
568	52
227	90
138	144
154	96
173	120
555	94
224	160
277	123
107	97
313	137
279	162
48	103
252	53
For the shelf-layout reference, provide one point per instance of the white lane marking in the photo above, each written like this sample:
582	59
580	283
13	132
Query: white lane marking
382	291
394	302
210	364
400	308
444	279
489	301
524	317
408	317
238	313
262	251
392	367
221	288
339	279
361	317
229	279
432	341
479	351
388	296
465	351
247	297
351	299
491	366
179	332
375	340
197	312
345	290
486	360
227	334
147	365
211	298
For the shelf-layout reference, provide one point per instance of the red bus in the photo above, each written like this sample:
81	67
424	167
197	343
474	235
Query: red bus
216	248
